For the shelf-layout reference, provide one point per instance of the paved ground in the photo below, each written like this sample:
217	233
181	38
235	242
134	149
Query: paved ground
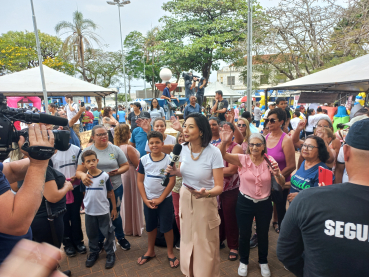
126	263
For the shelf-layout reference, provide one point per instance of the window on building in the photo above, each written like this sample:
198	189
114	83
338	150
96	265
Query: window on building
231	80
264	79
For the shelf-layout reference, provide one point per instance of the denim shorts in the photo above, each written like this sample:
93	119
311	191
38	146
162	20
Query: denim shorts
162	215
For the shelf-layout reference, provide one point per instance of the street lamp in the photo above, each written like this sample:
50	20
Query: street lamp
39	58
121	4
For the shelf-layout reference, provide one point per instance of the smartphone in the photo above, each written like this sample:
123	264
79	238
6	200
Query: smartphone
189	187
325	176
268	161
82	104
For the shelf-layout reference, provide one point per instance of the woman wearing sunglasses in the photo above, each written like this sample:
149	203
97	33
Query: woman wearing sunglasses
254	196
244	127
281	148
315	154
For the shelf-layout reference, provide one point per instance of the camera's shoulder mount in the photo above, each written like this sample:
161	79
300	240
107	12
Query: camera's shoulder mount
39	152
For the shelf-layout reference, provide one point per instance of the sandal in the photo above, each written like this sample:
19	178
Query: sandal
147	258
173	260
276	228
232	254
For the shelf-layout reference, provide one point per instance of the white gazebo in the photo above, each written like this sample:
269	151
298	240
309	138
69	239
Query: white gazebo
28	83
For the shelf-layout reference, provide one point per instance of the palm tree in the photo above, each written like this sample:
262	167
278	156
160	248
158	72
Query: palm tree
149	44
80	34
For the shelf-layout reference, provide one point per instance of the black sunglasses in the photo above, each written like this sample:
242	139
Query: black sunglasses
241	125
272	120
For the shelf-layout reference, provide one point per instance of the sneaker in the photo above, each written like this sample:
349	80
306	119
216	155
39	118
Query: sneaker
265	271
70	251
81	248
91	259
124	244
101	247
242	269
110	261
178	244
254	241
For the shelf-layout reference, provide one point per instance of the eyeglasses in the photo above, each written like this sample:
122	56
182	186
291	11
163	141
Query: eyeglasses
102	134
320	126
309	146
241	125
272	120
251	145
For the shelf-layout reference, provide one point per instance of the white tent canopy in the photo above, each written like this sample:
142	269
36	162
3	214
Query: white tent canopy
28	83
351	76
227	92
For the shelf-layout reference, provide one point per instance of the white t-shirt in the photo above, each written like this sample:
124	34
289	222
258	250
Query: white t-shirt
341	160
71	114
294	122
257	114
67	161
154	174
310	124
168	140
199	174
96	200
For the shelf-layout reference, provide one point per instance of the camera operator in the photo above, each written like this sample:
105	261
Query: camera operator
18	211
201	91
190	83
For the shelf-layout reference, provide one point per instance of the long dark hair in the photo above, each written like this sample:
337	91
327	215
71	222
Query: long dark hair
204	127
152	107
309	112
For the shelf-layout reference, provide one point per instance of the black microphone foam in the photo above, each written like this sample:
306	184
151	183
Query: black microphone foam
54	120
177	149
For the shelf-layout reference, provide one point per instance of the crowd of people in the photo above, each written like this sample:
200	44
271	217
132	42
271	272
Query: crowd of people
230	174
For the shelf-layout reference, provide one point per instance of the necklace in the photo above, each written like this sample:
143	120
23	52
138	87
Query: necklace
192	157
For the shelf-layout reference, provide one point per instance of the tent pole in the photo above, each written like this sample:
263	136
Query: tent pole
249	55
116	101
104	102
266	99
40	59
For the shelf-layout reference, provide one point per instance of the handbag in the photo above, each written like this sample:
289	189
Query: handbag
276	191
172	106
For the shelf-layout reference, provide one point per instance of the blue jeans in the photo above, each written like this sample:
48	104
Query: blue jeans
96	122
168	112
118	224
257	122
89	126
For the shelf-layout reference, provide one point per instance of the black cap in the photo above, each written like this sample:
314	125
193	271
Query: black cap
145	115
358	135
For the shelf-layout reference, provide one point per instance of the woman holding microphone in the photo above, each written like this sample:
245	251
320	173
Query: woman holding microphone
254	197
201	169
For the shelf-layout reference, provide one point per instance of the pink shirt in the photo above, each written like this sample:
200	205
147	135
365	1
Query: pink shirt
236	113
255	181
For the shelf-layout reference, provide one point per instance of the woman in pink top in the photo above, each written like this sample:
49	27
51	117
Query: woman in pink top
254	197
280	147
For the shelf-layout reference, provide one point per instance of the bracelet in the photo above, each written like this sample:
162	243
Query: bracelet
209	195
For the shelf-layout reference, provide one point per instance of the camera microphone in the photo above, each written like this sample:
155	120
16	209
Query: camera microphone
54	120
176	152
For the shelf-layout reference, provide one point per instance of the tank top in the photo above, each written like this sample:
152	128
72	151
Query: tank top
277	153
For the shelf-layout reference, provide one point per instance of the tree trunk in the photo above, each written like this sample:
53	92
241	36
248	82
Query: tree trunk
99	102
82	55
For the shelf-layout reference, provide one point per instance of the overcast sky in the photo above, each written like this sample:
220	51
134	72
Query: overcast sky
140	15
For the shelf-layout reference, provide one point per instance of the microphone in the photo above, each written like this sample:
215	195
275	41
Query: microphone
176	152
54	120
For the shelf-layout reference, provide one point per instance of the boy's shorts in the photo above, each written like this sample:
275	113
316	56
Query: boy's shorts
162	215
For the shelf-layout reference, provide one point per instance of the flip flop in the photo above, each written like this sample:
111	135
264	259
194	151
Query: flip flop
173	260
232	254
147	258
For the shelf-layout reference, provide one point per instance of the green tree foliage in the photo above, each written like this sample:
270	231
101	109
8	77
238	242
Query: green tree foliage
80	37
18	52
205	31
122	98
103	68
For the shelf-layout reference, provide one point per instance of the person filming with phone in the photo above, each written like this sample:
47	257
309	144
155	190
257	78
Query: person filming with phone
254	199
113	161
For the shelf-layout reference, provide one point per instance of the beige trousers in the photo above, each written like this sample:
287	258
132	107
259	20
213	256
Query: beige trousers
199	235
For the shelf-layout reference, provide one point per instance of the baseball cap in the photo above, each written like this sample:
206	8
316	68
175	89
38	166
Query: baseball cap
358	135
145	115
356	119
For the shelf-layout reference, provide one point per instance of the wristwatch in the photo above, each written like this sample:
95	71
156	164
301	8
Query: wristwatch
209	195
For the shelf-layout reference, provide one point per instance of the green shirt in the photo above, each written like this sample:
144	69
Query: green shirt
96	115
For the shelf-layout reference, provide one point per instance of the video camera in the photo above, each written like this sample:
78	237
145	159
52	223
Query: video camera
189	77
9	134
